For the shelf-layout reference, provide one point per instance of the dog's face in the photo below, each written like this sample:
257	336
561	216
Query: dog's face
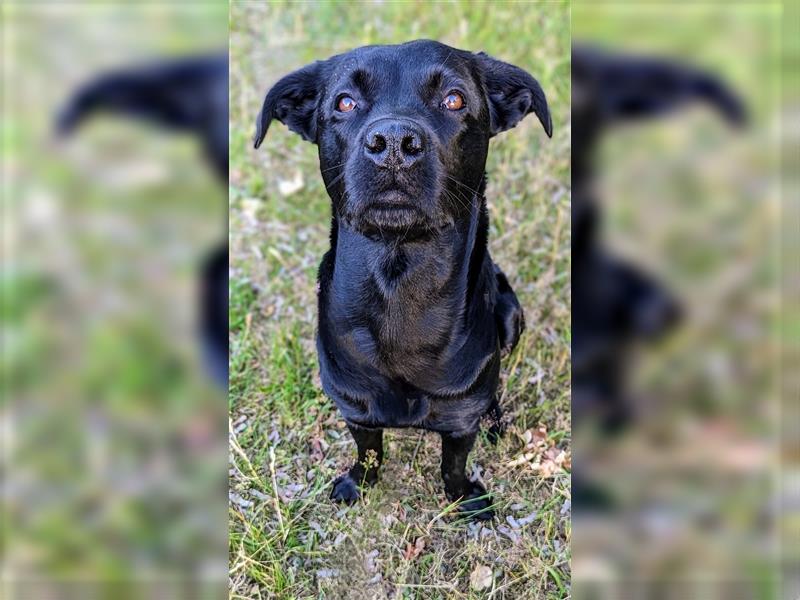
403	130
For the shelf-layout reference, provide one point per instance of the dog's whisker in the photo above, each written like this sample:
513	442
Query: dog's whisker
462	184
463	202
333	167
336	179
455	199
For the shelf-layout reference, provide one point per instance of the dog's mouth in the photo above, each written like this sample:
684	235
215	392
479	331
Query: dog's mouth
394	214
393	210
380	203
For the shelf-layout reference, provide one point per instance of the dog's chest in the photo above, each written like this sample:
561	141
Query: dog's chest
413	309
402	312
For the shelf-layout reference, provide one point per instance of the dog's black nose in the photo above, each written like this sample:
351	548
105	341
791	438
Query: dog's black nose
394	144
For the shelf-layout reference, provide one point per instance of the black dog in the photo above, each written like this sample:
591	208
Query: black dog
614	304
188	94
413	313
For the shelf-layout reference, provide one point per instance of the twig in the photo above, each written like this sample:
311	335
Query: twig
416	449
275	490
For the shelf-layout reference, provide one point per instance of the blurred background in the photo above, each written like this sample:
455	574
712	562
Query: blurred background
682	499
113	429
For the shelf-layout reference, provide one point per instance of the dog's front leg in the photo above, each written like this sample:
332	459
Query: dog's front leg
473	496
365	471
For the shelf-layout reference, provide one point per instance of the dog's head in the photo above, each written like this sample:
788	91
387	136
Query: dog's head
403	131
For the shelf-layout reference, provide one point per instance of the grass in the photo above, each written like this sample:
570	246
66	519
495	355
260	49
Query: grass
109	447
287	539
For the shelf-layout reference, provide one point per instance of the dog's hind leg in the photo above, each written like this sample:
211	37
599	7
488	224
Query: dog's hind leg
510	322
346	487
508	314
497	428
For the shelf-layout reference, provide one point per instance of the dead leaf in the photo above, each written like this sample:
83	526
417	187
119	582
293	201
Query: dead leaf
316	454
522	459
369	561
548	468
415	549
400	512
480	578
326	573
509	533
540	435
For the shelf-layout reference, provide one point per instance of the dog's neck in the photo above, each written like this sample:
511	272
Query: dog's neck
422	284
401	263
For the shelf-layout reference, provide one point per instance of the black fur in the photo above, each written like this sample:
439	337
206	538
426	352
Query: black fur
413	313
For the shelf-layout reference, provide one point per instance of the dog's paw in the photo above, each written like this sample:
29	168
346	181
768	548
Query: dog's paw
345	489
477	503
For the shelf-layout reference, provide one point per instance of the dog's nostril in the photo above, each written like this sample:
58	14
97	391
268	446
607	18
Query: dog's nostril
376	143
411	145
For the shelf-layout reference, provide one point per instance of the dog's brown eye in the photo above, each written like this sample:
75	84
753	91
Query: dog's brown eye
453	101
346	104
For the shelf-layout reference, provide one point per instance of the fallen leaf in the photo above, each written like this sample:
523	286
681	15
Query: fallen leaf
480	578
326	573
316	527
400	512
522	459
237	499
369	561
258	494
540	435
509	533
316	454
415	549
548	468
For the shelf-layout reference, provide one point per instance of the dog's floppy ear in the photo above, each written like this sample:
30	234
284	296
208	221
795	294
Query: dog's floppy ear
513	94
293	101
